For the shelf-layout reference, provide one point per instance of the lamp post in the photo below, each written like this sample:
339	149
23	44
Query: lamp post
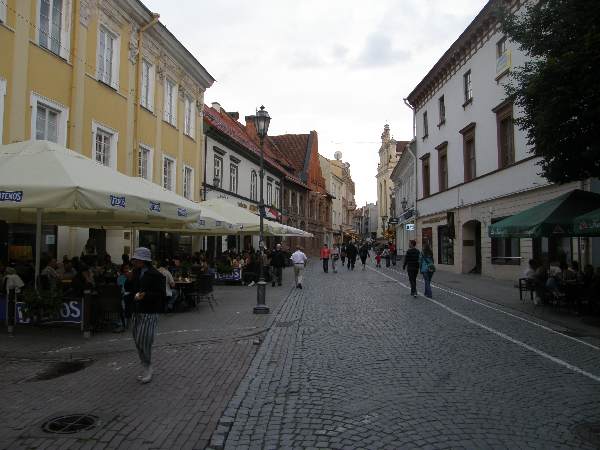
261	120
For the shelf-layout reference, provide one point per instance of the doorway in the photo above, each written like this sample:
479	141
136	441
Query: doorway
471	242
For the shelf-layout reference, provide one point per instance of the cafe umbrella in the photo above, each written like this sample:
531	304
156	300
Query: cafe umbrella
44	182
587	224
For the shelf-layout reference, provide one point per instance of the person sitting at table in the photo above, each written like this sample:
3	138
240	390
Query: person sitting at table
171	293
531	269
82	282
67	272
11	280
49	275
575	273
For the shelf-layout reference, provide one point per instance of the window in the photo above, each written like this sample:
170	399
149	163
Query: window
168	181
425	169
3	12
470	167
302	207
505	250
108	57
233	177
506	139
145	162
445	246
269	193
501	47
218	171
189	120
2	94
48	120
467	87
105	141
425	125
442	109
170	112
277	195
147	93
253	185
443	167
53	25
188	182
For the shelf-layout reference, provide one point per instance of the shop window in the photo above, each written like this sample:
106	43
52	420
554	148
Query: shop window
445	246
505	250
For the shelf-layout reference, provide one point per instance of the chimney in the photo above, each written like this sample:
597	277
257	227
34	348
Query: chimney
251	128
234	115
217	106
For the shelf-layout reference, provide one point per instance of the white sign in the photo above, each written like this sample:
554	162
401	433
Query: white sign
50	239
409	227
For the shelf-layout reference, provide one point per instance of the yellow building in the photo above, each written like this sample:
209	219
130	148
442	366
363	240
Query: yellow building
106	79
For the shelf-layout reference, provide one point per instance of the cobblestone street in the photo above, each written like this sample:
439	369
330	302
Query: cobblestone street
353	361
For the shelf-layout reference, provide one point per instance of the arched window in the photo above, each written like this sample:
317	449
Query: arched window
253	185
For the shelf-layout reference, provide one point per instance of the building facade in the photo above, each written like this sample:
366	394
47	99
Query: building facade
123	91
334	185
404	179
474	166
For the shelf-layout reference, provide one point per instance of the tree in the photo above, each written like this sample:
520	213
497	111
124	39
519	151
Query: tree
558	89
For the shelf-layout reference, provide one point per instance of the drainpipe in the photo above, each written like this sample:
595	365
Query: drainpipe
138	72
74	55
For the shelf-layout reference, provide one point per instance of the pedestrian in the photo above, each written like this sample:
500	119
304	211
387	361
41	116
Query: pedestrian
427	268
393	253
343	254
299	260
277	263
378	259
364	254
335	255
351	253
325	255
386	256
411	265
170	292
149	287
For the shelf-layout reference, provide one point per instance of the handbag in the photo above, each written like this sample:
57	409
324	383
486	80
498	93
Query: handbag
431	268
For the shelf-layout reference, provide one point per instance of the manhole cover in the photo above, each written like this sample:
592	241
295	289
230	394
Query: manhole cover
589	432
58	369
72	423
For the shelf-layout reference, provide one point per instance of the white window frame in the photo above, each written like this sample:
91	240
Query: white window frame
64	48
3	11
2	94
269	193
233	180
189	123
63	117
113	142
170	111
468	86
148	102
218	175
277	194
253	185
188	185
116	56
150	161
173	173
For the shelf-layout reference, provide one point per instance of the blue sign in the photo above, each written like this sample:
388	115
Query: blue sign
116	200
182	212
11	196
235	275
154	206
70	312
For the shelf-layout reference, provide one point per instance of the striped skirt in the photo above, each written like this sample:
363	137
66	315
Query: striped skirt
144	328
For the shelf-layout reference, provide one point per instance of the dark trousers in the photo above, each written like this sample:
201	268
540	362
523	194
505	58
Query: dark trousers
387	261
325	265
277	276
351	263
393	259
412	277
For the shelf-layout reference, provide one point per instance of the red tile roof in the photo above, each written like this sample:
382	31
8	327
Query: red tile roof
294	147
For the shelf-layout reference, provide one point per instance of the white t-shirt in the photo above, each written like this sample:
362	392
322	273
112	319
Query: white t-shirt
298	257
170	280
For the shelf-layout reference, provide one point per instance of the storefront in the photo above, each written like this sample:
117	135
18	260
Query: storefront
17	242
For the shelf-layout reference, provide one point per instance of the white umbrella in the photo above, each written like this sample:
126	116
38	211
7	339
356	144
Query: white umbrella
40	178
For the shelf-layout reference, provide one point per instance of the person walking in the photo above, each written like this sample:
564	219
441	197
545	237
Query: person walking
427	268
343	254
411	265
351	253
386	256
299	260
277	263
149	287
364	254
335	255
325	255
378	259
393	253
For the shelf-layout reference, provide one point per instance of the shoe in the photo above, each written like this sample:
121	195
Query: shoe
146	377
299	286
251	284
272	284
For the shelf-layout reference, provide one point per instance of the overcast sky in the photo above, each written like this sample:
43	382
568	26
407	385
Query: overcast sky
340	67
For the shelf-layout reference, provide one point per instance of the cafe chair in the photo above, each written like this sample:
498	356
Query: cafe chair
203	291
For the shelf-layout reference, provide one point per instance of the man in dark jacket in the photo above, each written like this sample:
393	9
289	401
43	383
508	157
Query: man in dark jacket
411	265
149	286
351	253
277	263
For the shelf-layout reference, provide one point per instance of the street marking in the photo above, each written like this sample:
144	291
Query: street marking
502	335
510	314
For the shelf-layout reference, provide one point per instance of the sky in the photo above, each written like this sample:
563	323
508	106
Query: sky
339	67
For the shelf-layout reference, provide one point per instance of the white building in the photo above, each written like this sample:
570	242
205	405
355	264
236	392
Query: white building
232	172
334	185
474	165
404	178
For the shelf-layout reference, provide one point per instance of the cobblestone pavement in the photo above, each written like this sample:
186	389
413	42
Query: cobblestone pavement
353	361
199	357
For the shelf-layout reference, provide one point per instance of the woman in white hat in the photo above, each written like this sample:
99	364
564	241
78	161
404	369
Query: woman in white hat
149	287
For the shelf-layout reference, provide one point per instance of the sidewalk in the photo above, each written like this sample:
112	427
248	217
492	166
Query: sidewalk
505	293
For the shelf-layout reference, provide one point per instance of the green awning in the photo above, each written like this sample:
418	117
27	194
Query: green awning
551	218
587	224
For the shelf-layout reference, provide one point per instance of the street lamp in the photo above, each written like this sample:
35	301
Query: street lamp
261	120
